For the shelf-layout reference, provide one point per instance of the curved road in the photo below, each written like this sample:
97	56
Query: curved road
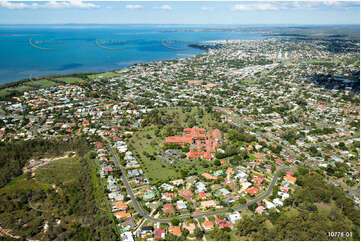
145	215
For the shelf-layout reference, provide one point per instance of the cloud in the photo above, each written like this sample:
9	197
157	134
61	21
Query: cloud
207	8
330	3
165	7
49	4
257	6
136	6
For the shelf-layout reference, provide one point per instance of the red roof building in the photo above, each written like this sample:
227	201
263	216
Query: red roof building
222	223
159	233
186	194
168	208
252	191
204	142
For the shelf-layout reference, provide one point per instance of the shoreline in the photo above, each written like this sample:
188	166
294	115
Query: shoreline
13	85
57	75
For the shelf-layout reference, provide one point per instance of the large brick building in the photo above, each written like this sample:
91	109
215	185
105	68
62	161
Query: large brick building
203	143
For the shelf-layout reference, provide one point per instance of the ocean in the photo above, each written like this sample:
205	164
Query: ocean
36	50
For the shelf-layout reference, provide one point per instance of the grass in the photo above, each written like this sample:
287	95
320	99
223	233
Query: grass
249	81
106	75
42	83
22	88
58	172
70	80
55	172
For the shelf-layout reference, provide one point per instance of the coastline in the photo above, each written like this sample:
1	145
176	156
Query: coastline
23	82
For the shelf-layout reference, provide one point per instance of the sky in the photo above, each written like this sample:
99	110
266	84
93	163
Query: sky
175	12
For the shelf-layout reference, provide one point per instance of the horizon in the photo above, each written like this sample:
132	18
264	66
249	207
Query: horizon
181	13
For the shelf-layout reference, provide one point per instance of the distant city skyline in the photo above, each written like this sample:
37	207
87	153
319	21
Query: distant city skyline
170	12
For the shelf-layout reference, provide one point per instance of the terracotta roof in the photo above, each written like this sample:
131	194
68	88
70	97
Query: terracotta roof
168	208
252	190
290	178
186	193
122	214
207	204
120	205
209	176
208	224
175	230
202	195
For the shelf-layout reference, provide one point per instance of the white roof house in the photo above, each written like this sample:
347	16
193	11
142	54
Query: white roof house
181	204
269	205
127	236
234	217
278	202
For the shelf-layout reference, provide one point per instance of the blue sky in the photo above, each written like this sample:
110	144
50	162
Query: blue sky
159	12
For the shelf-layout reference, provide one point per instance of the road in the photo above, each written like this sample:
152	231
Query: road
158	220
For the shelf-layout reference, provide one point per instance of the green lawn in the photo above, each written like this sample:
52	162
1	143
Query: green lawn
249	81
70	80
106	75
59	172
42	83
21	88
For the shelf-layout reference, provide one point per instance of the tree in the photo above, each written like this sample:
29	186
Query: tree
198	233
175	222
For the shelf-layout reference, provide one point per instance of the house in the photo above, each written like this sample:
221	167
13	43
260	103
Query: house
190	227
122	215
167	187
127	236
181	205
278	202
115	196
159	233
285	183
278	161
208	204
241	176
147	229
224	191
257	180
176	230
149	195
186	194
209	176
177	182
290	173
168	196
229	171
284	189
202	195
129	223
168	208
222	223
290	179
260	209
252	191
120	205
245	185
200	187
269	205
283	195
208	225
234	217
